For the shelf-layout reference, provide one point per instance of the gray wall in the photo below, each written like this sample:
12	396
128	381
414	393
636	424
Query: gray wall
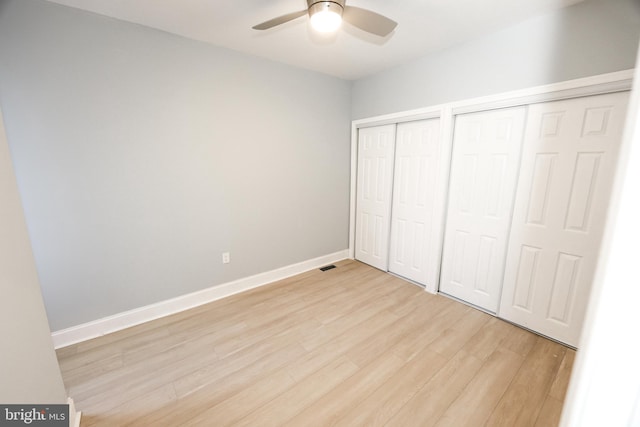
593	37
29	370
141	157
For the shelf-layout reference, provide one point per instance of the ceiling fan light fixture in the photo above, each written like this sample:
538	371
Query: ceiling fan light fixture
325	16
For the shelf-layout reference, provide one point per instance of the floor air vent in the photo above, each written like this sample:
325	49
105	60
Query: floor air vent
327	267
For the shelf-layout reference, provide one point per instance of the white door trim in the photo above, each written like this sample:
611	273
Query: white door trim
603	83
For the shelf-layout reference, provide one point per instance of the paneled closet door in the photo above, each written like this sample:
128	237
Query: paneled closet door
376	147
484	169
569	156
412	243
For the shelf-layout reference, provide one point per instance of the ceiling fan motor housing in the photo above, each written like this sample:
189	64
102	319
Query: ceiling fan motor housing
335	6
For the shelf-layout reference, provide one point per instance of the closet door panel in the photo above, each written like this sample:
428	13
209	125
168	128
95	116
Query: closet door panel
486	153
376	147
569	155
412	218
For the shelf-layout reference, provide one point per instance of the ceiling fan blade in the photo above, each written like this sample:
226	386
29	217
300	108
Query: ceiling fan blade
279	20
369	21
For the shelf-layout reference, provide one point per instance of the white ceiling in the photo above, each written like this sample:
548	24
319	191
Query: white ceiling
424	26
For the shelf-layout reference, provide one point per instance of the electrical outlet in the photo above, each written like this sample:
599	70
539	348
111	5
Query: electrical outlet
226	258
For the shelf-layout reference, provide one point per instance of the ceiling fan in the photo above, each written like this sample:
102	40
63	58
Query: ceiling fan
326	16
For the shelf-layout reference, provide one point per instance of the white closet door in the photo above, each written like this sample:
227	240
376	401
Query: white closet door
486	154
414	194
569	156
373	201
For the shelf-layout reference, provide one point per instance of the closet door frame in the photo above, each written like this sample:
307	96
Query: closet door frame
595	85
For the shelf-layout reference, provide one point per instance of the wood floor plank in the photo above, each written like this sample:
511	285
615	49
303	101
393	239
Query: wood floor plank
352	346
428	405
452	329
368	322
140	382
550	413
327	410
148	357
360	294
477	401
133	409
438	315
561	381
279	410
190	401
284	322
386	400
84	359
254	354
519	341
388	338
352	338
487	338
236	407
531	384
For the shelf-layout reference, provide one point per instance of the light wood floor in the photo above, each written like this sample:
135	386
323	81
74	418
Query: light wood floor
351	346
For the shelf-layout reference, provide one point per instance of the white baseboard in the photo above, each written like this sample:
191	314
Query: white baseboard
74	416
126	319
